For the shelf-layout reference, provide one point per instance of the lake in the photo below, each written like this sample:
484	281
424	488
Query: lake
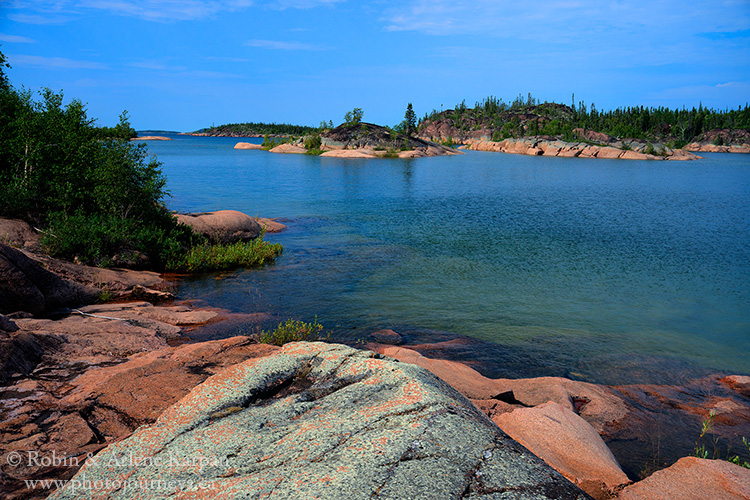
609	271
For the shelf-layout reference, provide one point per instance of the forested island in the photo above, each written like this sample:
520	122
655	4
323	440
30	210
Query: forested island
497	120
252	129
528	126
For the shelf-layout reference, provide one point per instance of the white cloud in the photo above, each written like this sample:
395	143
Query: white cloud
157	66
61	11
551	19
53	62
15	39
165	10
282	45
303	4
181	71
43	19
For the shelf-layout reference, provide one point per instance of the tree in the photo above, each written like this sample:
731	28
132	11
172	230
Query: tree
410	120
94	197
353	118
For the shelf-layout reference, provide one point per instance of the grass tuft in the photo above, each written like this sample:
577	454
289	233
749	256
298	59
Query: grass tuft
210	257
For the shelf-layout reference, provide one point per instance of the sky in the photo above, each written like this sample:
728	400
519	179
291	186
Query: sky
187	64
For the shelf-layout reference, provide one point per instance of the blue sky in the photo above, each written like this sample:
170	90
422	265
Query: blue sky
187	64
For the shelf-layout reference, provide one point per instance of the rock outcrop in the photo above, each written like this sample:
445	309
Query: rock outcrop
317	420
151	138
569	444
271	225
72	406
247	145
722	141
224	226
713	148
288	149
693	478
549	146
19	234
26	286
631	419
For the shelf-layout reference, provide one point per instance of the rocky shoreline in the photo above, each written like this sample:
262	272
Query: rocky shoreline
549	146
364	140
114	378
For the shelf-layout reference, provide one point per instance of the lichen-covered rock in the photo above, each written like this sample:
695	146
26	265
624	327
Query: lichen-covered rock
317	420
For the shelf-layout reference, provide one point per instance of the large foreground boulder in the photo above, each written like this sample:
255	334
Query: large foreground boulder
316	420
224	226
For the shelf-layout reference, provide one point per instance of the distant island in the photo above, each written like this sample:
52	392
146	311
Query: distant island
635	132
252	129
524	126
354	139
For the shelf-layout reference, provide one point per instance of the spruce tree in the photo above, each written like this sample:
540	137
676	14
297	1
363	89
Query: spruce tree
410	120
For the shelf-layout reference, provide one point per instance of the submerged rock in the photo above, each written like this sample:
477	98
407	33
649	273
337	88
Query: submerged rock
317	420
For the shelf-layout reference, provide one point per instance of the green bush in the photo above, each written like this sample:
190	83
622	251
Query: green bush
390	153
292	331
313	141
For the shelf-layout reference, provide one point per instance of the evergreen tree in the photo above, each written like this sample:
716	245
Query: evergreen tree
410	120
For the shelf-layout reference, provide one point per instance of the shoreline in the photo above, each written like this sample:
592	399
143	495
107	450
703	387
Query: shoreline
627	417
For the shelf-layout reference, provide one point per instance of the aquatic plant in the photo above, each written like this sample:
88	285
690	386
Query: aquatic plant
216	257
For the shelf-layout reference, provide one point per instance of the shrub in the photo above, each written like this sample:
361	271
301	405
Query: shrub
313	142
292	331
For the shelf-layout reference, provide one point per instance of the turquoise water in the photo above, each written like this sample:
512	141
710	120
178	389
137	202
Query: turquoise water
604	270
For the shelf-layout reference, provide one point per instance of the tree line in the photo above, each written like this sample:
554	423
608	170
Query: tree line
528	116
